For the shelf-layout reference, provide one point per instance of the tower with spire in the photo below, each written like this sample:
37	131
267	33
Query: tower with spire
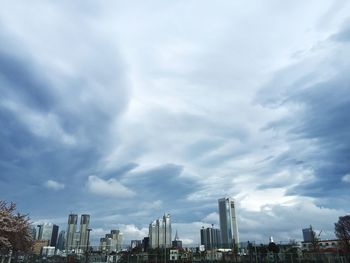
177	243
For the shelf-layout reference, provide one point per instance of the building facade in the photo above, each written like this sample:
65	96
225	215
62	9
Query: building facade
84	232
160	232
61	242
112	242
47	231
210	238
177	243
228	223
308	234
71	232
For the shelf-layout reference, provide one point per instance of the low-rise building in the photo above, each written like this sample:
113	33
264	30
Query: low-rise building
329	245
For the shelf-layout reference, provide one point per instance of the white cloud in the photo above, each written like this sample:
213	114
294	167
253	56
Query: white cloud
130	232
346	178
109	188
193	87
51	184
212	218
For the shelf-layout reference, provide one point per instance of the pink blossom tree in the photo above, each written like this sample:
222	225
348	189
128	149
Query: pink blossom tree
14	230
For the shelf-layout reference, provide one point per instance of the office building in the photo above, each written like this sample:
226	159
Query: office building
117	236
103	244
33	229
61	242
112	242
145	244
210	238
177	243
39	232
160	232
228	223
84	232
308	234
47	231
71	232
153	233
50	232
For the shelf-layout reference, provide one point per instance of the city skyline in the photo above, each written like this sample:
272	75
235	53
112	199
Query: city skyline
125	110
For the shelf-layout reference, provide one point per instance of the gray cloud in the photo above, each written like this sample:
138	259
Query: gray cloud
233	99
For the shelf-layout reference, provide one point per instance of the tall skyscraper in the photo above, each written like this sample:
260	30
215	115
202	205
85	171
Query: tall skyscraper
39	232
118	237
167	231
84	232
48	232
228	222
61	242
153	232
160	232
210	237
71	230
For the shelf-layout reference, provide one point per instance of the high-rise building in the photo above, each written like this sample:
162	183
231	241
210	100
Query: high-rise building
210	237
160	232
71	232
228	222
32	230
61	242
84	232
145	244
308	234
153	232
117	236
47	231
166	224
111	242
177	243
103	244
39	232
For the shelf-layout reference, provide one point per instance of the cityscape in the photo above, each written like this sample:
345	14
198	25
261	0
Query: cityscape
184	131
216	244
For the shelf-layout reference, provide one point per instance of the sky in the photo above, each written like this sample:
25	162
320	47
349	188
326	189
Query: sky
127	110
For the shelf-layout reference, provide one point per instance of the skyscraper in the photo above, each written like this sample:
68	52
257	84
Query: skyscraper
61	242
177	243
166	224
228	222
112	242
153	232
210	237
160	232
71	229
84	232
48	232
118	237
308	234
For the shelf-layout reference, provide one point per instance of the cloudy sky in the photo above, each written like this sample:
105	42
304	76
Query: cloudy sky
129	109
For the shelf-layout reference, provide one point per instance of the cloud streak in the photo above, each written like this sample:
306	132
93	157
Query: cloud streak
237	99
108	188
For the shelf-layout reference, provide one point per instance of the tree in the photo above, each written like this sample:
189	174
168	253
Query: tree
14	230
342	231
315	240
